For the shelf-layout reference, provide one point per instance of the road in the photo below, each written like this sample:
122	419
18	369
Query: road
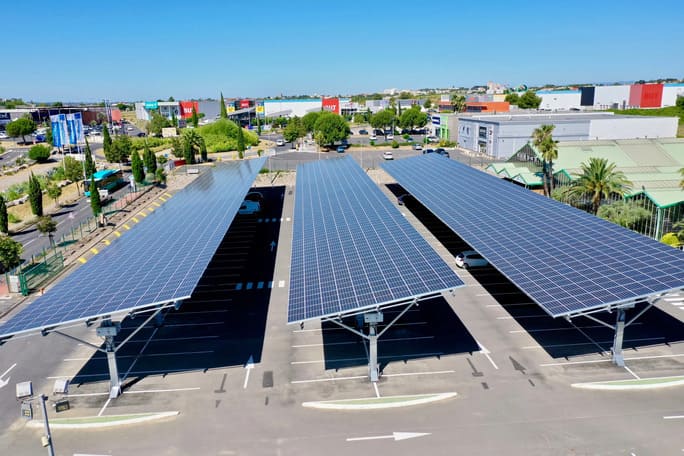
34	242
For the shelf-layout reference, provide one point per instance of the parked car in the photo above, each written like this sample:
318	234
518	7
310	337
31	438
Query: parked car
3	135
363	132
249	207
340	149
428	151
433	139
417	146
387	155
390	136
142	134
470	259
373	137
280	142
442	151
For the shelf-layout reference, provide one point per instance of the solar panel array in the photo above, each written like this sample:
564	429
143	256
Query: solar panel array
352	249
159	261
566	260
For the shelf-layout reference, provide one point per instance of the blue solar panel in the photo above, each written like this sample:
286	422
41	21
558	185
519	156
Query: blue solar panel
566	260
352	249
159	261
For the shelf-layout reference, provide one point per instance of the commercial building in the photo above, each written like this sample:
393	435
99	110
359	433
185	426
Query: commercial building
502	135
625	96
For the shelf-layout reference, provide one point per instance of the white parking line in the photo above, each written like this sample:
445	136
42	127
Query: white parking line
143	355
343	329
592	361
522	316
105	375
532	347
673	417
281	283
401	339
411	355
170	390
522	331
332	379
631	372
375	386
358	377
407	374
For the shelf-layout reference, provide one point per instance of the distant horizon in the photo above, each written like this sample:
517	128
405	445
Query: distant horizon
153	50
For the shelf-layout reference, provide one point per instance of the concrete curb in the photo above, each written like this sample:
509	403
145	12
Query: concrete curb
375	403
135	418
630	385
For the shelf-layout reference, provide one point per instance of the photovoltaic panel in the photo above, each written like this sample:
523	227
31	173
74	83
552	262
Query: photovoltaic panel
160	260
352	249
566	260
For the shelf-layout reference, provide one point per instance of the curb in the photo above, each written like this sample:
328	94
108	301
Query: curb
632	384
119	420
375	403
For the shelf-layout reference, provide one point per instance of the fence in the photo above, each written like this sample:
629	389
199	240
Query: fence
30	277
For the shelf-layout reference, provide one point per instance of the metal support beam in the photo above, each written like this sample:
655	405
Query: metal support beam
108	330
136	330
373	369
618	359
69	336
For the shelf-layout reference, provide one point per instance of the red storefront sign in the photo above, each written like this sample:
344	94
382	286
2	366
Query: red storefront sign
186	108
244	104
332	105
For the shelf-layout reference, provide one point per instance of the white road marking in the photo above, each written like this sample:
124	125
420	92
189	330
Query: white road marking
592	361
248	367
357	359
486	352
395	435
288	219
4	383
409	374
522	331
522	316
170	390
281	283
673	417
104	406
87	358
343	329
399	339
329	379
631	372
532	347
375	386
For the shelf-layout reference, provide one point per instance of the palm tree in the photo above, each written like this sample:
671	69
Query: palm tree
193	142
599	180
542	138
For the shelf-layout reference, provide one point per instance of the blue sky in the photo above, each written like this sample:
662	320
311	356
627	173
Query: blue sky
137	50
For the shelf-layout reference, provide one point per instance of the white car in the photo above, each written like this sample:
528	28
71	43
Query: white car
387	155
390	136
280	142
470	259
373	137
3	135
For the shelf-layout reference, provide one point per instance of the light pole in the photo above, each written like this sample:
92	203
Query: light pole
24	393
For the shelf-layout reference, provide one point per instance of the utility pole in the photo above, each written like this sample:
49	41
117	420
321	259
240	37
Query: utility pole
47	439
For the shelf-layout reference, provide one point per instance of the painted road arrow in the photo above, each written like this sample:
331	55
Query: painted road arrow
4	383
395	435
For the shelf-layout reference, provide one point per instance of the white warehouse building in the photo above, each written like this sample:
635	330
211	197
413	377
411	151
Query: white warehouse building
502	135
292	107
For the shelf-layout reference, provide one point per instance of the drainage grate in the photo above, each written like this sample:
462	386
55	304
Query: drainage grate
267	381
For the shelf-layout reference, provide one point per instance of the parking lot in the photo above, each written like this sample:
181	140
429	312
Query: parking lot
238	375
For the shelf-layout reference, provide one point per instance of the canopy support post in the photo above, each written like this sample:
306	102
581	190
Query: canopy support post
616	351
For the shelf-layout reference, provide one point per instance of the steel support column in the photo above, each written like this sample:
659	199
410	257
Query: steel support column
618	359
373	369
108	330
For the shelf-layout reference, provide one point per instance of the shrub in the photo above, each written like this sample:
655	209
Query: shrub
13	218
39	153
221	136
670	239
372	143
446	143
395	145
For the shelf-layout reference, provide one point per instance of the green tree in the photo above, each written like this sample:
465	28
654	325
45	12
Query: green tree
156	123
458	102
624	213
258	122
95	203
294	130
542	138
4	217
427	104
194	118
39	153
192	145
72	169
48	136
412	118
240	142
106	140
174	120
513	98
309	121
161	176
383	119
89	163
35	195
529	100
21	127
224	111
47	226
120	150
680	102
10	252
150	160
598	181
54	191
137	167
330	128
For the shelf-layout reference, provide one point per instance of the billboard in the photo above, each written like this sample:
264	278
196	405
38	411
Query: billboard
59	130
244	104
260	110
331	105
186	108
230	108
67	129
151	105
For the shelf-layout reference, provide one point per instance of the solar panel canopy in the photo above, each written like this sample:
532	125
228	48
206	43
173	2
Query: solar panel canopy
568	261
352	249
159	261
